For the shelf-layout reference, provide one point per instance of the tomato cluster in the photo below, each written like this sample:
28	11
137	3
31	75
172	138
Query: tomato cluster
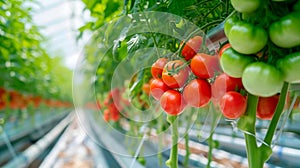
113	105
15	100
180	82
263	53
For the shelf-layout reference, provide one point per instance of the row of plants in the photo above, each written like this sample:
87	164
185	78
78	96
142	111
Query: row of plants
29	75
250	76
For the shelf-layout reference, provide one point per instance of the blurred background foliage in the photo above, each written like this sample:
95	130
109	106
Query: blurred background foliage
24	64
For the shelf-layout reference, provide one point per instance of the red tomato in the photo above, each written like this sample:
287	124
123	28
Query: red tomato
173	76
157	88
197	93
114	112
115	116
107	102
205	66
224	83
191	47
146	88
266	107
98	105
172	102
15	99
158	66
106	115
37	101
233	105
112	108
2	98
223	48
113	93
23	103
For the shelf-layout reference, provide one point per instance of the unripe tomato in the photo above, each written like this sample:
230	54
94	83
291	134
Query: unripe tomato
205	66
172	102
266	107
223	48
262	79
247	38
229	23
158	66
234	63
233	105
157	88
191	47
290	67
197	93
224	83
245	6
175	74
285	33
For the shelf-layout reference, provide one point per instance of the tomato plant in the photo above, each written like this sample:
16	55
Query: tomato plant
205	66
254	59
197	93
175	74
233	105
172	102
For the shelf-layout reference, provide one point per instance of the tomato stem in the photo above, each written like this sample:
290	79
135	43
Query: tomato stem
215	114
277	114
211	146
186	137
173	159
247	124
258	155
187	151
151	34
160	140
266	146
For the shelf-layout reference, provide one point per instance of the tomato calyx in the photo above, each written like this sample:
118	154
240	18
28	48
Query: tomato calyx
175	69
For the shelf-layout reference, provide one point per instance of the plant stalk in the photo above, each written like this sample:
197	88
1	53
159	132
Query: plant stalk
173	160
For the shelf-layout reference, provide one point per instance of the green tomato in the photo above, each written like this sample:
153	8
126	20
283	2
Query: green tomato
290	67
229	23
234	63
262	79
245	6
285	33
246	38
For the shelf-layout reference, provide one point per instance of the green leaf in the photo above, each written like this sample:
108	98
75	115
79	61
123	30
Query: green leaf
111	8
